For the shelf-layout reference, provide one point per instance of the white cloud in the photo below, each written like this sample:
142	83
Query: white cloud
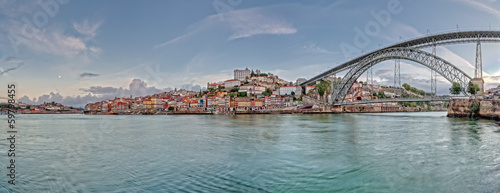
483	7
98	93
243	23
87	29
315	48
58	42
251	22
176	39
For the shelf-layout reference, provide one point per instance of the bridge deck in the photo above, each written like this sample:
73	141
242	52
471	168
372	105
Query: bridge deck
392	100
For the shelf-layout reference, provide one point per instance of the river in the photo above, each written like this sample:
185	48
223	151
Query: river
390	152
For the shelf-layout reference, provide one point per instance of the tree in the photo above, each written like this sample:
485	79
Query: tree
242	94
292	93
381	95
472	88
232	96
322	87
406	86
234	89
267	92
455	88
171	108
252	74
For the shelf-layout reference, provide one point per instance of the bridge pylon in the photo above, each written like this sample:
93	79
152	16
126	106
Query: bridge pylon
478	74
369	80
397	75
434	74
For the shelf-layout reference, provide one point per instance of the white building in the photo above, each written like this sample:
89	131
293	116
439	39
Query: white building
287	90
242	74
232	83
252	89
264	79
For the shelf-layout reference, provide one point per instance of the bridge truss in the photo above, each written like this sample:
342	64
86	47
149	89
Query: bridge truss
439	65
409	50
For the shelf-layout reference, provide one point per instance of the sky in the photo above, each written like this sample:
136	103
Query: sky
76	52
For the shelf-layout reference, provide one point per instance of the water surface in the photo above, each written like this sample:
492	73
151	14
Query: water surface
393	152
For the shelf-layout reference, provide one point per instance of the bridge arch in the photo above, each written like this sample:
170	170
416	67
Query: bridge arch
418	43
441	66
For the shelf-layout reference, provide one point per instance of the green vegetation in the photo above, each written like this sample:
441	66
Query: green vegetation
455	88
415	90
171	108
235	89
446	104
407	104
263	74
472	88
474	109
267	92
381	95
322	87
242	94
292	93
233	95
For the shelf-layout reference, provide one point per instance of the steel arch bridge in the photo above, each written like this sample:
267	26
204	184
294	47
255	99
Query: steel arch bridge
408	50
441	66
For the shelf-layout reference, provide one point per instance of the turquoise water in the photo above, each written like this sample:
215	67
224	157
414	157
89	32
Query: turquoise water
393	152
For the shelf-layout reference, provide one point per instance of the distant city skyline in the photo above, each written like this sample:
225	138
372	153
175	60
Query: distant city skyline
79	51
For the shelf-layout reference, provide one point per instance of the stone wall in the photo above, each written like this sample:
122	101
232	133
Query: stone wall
489	109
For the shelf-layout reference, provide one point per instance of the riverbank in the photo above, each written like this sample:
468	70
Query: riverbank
364	108
474	108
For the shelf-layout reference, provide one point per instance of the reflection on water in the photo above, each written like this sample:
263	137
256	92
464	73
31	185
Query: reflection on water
395	152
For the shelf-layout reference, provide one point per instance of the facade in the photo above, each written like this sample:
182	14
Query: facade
273	101
242	74
308	88
213	85
232	83
252	89
287	90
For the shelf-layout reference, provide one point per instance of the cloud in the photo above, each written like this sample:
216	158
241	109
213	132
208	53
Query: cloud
177	39
87	29
97	93
491	82
88	74
192	87
316	49
78	101
482	7
10	60
55	41
251	22
243	23
2	71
